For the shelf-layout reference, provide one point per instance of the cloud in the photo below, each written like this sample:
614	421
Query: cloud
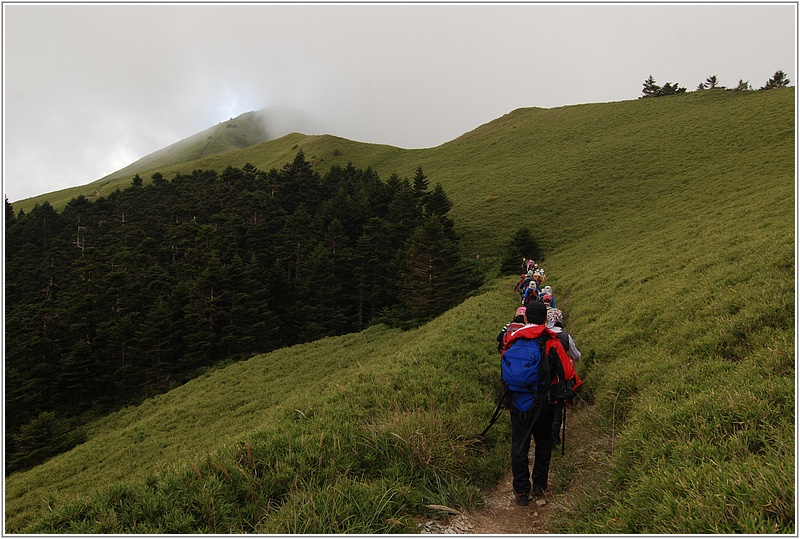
87	86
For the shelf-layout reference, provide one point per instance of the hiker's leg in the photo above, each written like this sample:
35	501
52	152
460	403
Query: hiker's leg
543	435
558	416
520	445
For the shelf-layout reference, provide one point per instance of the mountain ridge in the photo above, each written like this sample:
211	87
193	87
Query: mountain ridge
245	130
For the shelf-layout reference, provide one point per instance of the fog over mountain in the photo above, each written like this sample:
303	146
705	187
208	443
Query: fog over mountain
280	121
91	88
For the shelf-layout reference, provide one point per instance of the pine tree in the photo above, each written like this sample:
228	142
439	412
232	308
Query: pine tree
778	80
420	186
521	245
429	283
9	214
374	282
405	213
711	83
299	184
156	347
438	203
76	377
651	89
671	89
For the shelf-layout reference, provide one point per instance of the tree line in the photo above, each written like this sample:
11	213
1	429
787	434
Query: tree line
117	299
651	89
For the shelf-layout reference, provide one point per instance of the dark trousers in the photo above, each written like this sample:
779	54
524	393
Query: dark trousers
558	420
542	434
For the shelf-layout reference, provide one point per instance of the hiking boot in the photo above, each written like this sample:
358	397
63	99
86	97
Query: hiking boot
537	491
521	499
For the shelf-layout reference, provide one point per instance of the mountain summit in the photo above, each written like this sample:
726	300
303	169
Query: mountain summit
245	130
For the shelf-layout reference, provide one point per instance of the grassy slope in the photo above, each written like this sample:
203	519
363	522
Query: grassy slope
353	391
683	294
668	225
245	130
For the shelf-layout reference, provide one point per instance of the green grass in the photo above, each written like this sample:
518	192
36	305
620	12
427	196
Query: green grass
372	423
668	227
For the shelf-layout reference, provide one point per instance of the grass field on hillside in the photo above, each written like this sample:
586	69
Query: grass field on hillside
668	228
381	411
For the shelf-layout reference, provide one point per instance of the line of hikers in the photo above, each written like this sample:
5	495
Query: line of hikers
537	367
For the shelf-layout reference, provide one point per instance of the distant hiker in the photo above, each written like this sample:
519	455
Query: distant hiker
518	285
530	293
539	277
549	290
536	369
517	323
529	265
524	286
547	299
555	321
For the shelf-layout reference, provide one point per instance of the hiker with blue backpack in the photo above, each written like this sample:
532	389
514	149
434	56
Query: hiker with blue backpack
536	372
530	294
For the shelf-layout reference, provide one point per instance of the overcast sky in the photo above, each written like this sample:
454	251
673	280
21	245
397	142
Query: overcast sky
88	89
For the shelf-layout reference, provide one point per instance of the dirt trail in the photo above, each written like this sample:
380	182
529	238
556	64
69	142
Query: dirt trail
499	515
587	448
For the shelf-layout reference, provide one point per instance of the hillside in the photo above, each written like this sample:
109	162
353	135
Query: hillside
612	150
668	230
248	129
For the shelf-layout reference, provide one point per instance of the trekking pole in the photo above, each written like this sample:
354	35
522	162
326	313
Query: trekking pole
495	415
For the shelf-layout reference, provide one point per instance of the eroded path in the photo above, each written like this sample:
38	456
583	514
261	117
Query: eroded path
587	448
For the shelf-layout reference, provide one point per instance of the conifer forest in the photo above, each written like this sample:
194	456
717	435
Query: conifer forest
120	298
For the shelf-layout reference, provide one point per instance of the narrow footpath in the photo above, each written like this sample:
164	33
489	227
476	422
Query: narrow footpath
499	515
587	454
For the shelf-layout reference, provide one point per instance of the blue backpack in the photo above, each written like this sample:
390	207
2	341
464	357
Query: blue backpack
525	370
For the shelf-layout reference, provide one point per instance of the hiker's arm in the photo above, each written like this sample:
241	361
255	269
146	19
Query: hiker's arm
574	353
571	379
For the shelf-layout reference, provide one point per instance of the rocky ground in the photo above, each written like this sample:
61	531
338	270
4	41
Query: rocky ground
499	515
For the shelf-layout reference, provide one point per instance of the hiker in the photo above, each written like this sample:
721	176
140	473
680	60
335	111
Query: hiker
555	321
547	299
529	264
516	323
522	288
518	285
530	293
532	408
539	277
549	290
